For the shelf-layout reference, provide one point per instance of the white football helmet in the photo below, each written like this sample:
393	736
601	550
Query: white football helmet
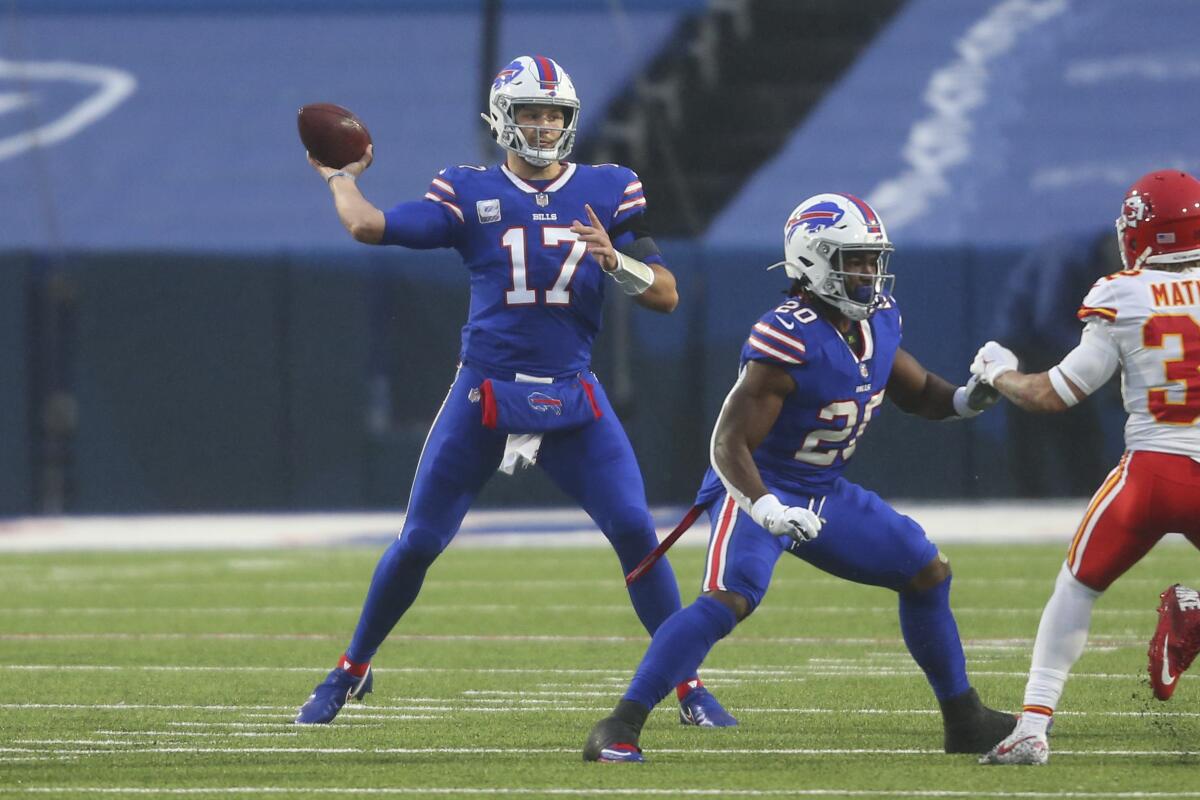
527	80
815	237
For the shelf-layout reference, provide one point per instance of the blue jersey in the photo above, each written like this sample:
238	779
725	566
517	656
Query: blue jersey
838	391
536	294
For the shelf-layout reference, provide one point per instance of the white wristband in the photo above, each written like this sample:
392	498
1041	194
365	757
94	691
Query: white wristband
961	407
633	276
765	506
338	174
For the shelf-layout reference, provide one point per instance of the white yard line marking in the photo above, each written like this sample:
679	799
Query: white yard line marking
285	637
277	725
507	608
897	672
816	670
608	791
286	719
101	610
386	714
221	579
614	673
547	639
128	748
108	742
134	706
403	712
199	733
504	693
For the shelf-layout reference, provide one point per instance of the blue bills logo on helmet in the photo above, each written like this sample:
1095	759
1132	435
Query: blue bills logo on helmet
544	403
508	74
814	218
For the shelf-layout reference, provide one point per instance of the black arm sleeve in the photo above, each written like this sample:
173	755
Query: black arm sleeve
632	237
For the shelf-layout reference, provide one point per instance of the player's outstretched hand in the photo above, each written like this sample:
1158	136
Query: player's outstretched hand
981	396
596	237
992	361
801	524
355	168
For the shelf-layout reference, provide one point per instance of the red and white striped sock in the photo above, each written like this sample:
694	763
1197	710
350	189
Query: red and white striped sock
354	668
681	691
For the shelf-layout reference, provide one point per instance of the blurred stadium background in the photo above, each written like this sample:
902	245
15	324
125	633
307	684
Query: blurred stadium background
184	326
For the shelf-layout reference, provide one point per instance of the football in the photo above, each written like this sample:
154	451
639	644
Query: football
332	134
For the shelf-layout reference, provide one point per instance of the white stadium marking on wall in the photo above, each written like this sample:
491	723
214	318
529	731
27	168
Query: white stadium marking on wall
111	88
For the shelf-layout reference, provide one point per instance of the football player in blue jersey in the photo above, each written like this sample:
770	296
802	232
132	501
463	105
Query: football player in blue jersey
542	239
813	372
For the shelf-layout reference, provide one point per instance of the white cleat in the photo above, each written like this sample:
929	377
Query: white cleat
1019	748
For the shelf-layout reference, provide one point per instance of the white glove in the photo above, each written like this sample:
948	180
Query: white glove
974	398
992	361
801	524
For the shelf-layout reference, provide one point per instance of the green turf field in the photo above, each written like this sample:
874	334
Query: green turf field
156	674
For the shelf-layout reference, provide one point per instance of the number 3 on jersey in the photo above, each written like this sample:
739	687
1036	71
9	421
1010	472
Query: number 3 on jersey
1184	370
552	237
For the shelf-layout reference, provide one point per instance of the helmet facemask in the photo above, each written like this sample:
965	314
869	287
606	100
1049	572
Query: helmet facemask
518	138
856	293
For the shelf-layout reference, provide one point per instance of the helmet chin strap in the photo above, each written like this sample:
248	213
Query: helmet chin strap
1141	259
535	162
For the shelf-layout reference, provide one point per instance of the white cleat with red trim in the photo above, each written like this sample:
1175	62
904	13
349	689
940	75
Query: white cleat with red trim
1019	748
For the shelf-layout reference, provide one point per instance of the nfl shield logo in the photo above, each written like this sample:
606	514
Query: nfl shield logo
542	199
862	369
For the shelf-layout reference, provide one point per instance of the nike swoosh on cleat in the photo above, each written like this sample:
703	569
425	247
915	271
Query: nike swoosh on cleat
1167	678
1001	750
619	753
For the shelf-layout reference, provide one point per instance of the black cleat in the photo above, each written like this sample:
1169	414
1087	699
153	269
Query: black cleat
972	727
613	741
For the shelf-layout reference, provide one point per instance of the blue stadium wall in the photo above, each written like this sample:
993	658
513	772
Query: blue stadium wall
232	382
173	281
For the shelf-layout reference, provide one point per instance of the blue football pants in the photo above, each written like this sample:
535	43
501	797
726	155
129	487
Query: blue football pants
863	540
594	464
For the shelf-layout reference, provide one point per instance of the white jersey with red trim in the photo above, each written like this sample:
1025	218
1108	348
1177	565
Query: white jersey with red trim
1153	319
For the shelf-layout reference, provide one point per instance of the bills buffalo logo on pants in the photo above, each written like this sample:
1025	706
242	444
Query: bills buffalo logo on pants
544	402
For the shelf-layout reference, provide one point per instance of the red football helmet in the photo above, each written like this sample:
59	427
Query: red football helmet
1160	220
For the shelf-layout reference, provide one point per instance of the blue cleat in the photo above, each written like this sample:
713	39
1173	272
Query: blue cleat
621	754
700	707
338	688
613	741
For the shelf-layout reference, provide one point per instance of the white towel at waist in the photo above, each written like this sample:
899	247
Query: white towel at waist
521	449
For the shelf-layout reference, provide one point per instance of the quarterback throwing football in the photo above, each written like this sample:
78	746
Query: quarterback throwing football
543	239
